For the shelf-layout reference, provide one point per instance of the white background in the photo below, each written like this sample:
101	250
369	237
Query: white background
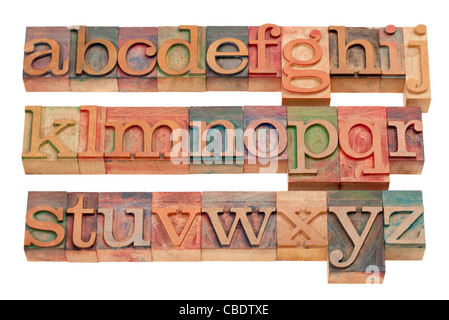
210	280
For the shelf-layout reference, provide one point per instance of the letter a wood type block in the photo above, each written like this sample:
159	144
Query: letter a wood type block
45	234
417	87
392	59
302	225
313	150
93	59
239	226
356	237
51	139
81	238
124	227
305	66
176	226
265	139
364	161
404	225
405	140
46	59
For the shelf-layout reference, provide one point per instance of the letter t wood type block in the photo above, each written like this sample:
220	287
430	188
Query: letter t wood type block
356	237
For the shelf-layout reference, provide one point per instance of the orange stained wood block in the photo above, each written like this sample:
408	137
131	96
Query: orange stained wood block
305	66
392	59
176	226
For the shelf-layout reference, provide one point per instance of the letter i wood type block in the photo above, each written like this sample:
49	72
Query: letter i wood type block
356	237
305	66
45	231
265	60
51	139
265	139
404	225
405	140
216	140
227	58
124	227
364	161
81	238
181	59
313	150
392	59
138	140
137	60
302	225
239	226
46	59
176	226
93	59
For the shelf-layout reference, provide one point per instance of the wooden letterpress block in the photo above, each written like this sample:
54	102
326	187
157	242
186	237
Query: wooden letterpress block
176	226
265	61
404	225
354	59
265	139
93	59
137	60
313	151
138	140
302	225
45	231
239	226
405	140
392	59
81	238
46	59
364	161
92	140
216	140
227	58
181	59
305	65
417	87
51	138
124	227
356	237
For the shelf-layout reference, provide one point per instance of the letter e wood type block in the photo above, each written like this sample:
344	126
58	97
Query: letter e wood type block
392	59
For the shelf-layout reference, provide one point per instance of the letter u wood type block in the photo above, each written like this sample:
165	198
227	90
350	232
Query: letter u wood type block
356	237
46	59
239	226
176	226
392	59
124	227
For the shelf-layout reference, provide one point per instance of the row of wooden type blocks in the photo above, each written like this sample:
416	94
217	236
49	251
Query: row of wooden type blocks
305	63
319	147
354	231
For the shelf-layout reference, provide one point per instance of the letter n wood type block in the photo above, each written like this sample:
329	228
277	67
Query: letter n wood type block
392	59
405	140
313	150
137	59
93	59
364	161
81	239
305	66
46	59
404	225
265	139
239	226
45	231
138	140
302	225
51	139
124	227
176	226
356	237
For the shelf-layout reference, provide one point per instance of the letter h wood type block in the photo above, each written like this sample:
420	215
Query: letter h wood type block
239	226
356	237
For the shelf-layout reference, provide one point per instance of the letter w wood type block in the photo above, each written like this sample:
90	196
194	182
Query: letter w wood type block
239	226
176	226
356	237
